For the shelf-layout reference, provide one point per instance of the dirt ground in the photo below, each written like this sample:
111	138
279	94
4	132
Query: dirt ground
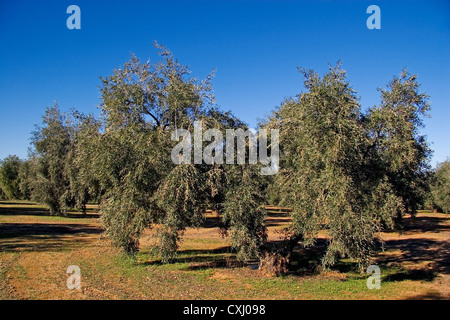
36	250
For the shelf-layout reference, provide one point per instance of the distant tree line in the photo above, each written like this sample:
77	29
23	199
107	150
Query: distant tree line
349	172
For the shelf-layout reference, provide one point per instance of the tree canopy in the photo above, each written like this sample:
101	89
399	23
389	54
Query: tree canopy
142	104
346	171
343	170
9	177
440	188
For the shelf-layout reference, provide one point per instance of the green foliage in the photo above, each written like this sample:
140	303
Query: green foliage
51	144
180	195
125	165
58	172
142	104
341	170
2	195
440	189
9	177
243	210
346	171
83	186
395	130
25	178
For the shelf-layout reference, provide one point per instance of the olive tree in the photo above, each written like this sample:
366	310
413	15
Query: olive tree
26	171
332	168
394	128
9	177
440	189
142	105
83	185
51	143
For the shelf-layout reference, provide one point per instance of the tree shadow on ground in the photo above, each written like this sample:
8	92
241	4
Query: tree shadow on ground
24	211
13	230
414	275
217	263
308	260
425	224
272	222
13	203
212	222
430	295
278	214
431	256
273	219
223	257
435	254
43	244
42	237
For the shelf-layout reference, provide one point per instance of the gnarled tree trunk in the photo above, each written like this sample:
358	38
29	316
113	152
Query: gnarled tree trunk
274	261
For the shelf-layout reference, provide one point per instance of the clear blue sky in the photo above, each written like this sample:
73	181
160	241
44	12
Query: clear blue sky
256	47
